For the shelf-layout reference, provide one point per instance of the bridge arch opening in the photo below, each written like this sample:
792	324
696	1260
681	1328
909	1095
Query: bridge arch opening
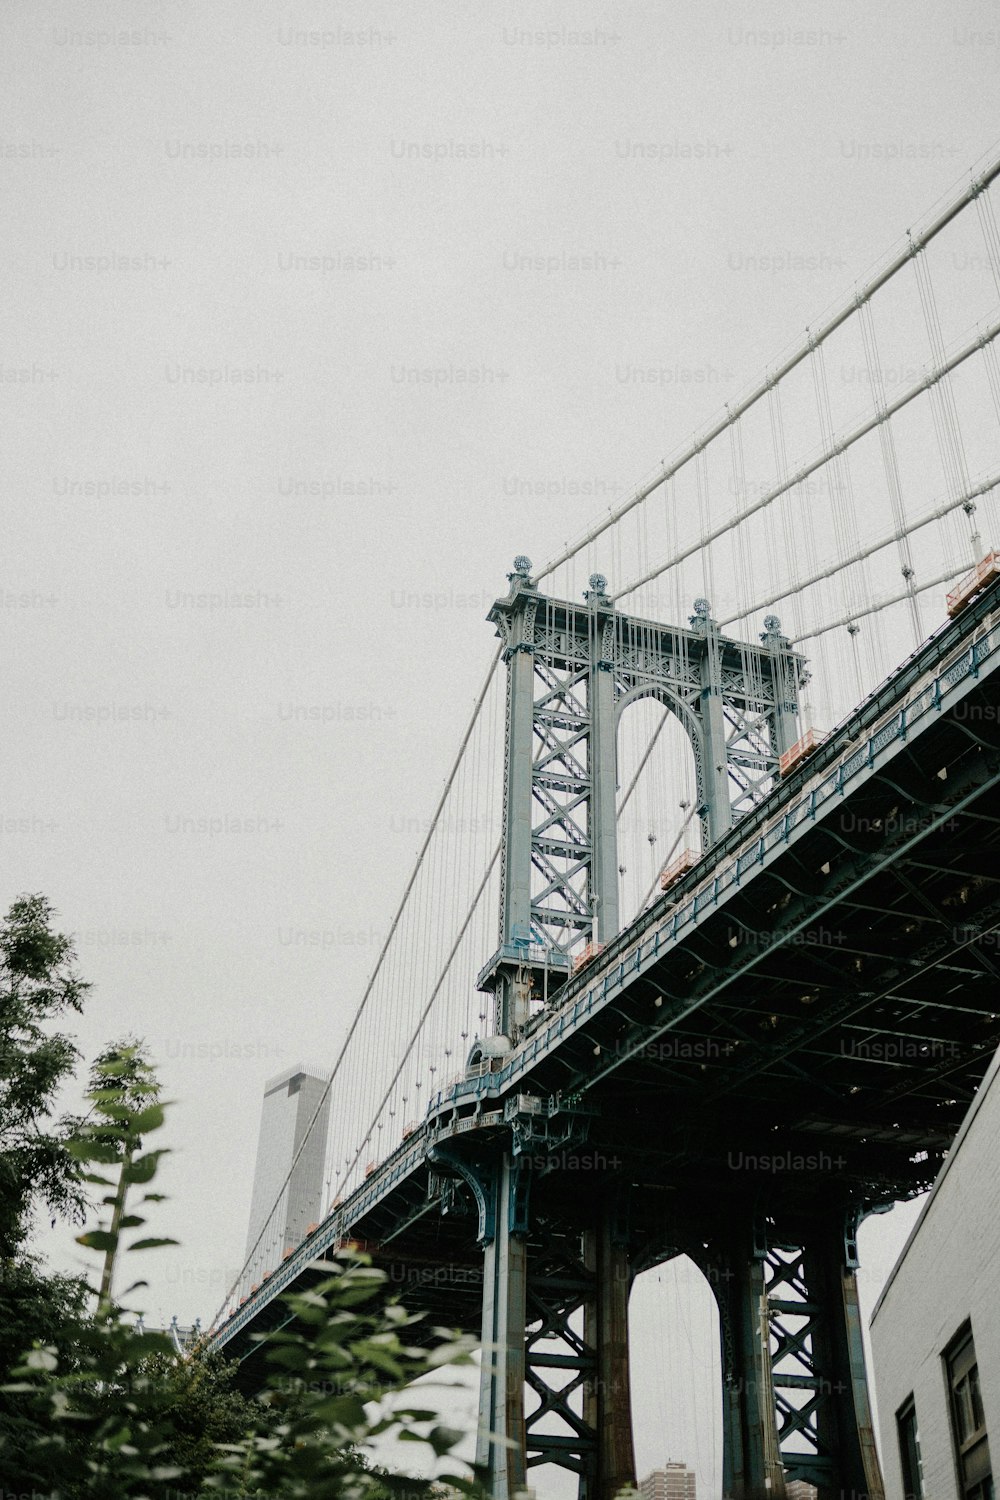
676	1372
657	794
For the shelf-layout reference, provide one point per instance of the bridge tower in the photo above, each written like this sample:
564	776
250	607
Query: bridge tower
555	1294
572	671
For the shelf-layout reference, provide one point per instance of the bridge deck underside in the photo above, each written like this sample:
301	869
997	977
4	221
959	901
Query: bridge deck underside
845	1003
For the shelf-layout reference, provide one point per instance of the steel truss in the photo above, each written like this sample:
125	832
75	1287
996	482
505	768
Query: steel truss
572	672
825	1428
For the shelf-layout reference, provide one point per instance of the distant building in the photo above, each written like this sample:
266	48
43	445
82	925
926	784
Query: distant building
291	1100
672	1482
798	1489
936	1327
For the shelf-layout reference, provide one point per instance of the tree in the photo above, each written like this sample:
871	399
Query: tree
108	1411
47	1314
99	1409
37	986
340	1373
35	1310
125	1102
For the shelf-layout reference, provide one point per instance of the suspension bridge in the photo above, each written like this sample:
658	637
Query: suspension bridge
742	986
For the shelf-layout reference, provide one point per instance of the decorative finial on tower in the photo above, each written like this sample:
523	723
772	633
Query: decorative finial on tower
521	576
598	590
772	636
701	621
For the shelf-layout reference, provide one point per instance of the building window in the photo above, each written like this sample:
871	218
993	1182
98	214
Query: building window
909	1451
968	1425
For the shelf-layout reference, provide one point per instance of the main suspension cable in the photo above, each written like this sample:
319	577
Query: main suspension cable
968	195
884	541
967	350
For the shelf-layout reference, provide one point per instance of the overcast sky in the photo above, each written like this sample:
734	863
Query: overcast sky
316	309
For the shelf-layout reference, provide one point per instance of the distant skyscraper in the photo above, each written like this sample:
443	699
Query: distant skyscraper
290	1101
798	1489
672	1482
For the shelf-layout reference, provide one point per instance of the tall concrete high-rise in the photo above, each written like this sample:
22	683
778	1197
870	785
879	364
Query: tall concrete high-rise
673	1482
291	1100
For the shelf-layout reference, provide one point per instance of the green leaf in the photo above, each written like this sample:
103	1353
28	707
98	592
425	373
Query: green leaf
151	1244
98	1239
293	1357
148	1119
113	1107
443	1439
143	1169
85	1148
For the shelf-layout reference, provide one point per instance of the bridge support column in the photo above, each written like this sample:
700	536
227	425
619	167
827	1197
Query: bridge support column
515	893
501	1447
751	1459
843	1415
784	717
603	802
716	810
607	1408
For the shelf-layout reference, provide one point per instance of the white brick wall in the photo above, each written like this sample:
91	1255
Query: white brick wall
948	1272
